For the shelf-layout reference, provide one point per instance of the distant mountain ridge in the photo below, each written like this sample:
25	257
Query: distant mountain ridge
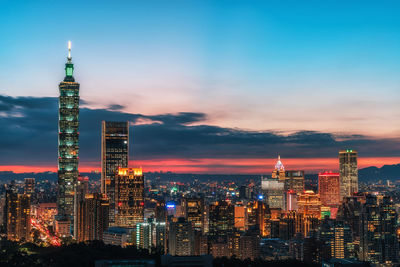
386	172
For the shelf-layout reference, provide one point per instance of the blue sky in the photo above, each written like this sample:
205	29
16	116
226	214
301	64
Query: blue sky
279	66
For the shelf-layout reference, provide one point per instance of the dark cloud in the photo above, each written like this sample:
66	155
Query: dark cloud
28	135
115	107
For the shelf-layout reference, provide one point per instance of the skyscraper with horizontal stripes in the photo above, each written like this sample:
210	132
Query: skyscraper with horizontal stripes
68	141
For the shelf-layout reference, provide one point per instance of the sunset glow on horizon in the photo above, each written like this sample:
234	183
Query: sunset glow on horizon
221	166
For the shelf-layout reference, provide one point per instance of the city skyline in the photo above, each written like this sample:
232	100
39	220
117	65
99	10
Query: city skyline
221	99
205	133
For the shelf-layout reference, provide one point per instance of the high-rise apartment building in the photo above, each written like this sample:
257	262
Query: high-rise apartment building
221	219
161	211
245	192
390	242
309	204
289	225
240	217
29	186
68	141
151	234
370	228
91	217
294	181
129	197
249	246
378	237
348	172
194	212
18	224
114	154
309	207
329	189
274	192
81	189
181	238
350	212
336	240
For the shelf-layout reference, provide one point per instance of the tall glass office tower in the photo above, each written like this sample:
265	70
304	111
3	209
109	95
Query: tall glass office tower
68	141
348	172
114	154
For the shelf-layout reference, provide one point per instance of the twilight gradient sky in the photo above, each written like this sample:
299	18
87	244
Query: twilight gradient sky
265	68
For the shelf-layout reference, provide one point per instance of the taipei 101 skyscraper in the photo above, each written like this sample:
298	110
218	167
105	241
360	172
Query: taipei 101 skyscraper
68	144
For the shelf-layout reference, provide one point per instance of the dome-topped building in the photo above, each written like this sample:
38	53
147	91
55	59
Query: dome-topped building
274	188
279	166
279	171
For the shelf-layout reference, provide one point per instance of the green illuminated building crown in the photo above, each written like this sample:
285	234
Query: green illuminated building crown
69	66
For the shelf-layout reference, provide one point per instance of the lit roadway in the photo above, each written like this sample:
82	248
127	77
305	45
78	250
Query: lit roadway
53	240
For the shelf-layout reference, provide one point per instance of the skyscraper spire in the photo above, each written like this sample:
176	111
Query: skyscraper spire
69	51
69	66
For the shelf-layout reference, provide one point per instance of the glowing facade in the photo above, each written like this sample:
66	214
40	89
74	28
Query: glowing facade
17	222
129	197
309	204
329	189
348	172
68	141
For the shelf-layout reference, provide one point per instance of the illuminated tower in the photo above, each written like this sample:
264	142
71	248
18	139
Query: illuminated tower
68	136
114	154
348	172
129	197
274	188
279	171
309	206
329	189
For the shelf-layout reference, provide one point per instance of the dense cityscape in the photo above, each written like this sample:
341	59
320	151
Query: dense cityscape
201	133
282	217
